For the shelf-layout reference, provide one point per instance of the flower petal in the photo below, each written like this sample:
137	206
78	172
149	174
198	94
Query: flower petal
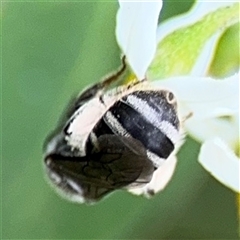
214	105
160	179
209	128
203	94
136	32
220	161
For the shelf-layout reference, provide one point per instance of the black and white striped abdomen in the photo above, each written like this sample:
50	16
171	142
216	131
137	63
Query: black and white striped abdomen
149	117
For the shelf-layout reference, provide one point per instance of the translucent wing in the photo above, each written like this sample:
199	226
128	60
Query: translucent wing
87	179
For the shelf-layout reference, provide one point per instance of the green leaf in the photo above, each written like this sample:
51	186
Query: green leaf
177	53
227	57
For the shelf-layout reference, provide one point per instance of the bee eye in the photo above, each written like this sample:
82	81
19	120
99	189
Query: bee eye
170	97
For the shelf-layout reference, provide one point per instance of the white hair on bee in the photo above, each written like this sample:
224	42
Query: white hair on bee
143	107
55	177
51	146
73	197
112	121
82	123
75	186
63	184
171	132
94	140
157	161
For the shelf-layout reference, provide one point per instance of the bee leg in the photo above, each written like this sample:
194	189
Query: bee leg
113	77
187	116
160	179
98	88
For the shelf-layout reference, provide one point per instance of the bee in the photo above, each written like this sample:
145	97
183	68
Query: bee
112	138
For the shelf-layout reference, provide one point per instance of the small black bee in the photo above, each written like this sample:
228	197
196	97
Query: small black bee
112	139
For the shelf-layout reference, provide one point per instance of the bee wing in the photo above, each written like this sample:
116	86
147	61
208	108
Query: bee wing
160	179
132	166
87	179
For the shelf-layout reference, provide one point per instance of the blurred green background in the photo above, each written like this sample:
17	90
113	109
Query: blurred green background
50	51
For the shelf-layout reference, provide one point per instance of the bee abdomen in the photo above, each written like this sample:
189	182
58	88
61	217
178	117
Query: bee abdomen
147	125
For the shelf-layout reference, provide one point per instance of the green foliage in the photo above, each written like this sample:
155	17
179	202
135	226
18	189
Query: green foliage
50	51
177	53
227	59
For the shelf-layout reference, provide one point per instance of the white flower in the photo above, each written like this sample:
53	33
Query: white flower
221	162
215	122
213	103
136	32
